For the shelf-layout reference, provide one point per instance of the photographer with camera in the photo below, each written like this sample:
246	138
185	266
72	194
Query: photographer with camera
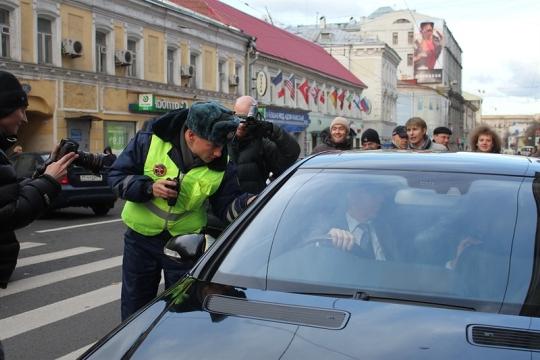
167	174
21	200
259	147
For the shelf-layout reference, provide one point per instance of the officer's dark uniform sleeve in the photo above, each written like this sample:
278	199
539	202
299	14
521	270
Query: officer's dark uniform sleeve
229	200
281	150
126	175
23	201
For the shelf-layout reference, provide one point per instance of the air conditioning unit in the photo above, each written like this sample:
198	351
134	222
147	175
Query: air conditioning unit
234	80
72	48
187	71
123	57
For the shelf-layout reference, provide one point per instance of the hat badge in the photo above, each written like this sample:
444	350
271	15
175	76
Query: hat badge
160	170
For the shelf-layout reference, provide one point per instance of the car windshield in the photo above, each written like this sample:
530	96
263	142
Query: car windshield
436	235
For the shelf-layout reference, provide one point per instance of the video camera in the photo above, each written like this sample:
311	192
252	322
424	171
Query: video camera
252	116
92	162
256	124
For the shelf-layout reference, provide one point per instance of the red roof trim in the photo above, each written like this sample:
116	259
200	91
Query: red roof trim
274	41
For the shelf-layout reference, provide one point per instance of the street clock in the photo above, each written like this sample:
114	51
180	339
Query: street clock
262	83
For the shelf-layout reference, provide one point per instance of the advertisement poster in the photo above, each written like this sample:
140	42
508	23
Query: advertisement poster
428	52
118	134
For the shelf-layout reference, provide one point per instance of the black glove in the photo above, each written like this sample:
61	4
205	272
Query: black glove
261	128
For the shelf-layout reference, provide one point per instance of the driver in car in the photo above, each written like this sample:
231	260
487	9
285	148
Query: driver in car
358	232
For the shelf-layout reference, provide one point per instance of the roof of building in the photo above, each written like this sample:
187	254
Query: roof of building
273	41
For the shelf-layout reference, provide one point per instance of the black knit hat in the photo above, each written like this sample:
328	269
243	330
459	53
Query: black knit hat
12	95
212	121
442	130
370	135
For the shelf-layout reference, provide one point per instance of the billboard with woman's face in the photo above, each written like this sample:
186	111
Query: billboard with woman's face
428	54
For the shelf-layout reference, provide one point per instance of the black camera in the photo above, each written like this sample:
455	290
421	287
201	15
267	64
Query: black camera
253	115
172	201
92	162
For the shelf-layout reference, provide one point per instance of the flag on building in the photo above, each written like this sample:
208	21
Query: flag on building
333	98
315	93
321	98
356	102
341	98
304	90
365	105
349	100
289	85
276	80
281	92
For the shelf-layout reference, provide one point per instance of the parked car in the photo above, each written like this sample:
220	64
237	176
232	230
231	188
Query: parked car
80	187
458	277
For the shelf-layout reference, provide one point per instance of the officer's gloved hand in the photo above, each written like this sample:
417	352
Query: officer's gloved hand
263	128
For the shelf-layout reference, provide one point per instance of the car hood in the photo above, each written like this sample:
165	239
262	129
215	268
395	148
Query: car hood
198	320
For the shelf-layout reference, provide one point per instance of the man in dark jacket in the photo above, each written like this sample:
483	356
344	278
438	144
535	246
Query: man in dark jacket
21	201
259	147
338	136
167	175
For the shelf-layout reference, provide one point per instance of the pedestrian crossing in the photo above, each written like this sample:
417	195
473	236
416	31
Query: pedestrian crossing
62	320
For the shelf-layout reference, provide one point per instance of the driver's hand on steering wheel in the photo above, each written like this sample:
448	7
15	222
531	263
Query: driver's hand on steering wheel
342	239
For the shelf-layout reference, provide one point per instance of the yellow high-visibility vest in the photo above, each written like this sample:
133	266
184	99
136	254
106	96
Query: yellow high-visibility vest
188	215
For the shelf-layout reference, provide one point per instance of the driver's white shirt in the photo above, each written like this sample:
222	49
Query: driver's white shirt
358	233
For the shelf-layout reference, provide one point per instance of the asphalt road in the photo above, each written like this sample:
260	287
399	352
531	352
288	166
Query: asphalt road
64	294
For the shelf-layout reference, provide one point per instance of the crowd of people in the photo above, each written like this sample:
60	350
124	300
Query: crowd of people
411	136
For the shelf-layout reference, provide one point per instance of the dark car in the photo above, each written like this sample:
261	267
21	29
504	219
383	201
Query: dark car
455	274
80	187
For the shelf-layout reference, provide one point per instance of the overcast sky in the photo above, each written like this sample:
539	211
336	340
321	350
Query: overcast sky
500	40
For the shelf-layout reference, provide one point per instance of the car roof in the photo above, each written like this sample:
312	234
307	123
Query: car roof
460	162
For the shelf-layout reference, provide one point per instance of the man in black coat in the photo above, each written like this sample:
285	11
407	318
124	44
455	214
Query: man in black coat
21	200
259	147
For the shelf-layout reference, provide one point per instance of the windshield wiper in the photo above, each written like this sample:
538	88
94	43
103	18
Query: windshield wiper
365	296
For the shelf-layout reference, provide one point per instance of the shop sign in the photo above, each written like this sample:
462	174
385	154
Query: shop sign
292	121
149	103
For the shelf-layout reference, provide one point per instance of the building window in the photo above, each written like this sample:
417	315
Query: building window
132	69
193	59
170	65
44	41
4	24
222	77
394	38
409	59
410	38
101	52
237	72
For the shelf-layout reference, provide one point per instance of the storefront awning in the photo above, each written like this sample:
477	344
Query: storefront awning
38	108
81	116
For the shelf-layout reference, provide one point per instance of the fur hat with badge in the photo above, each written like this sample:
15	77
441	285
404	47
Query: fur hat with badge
212	121
12	95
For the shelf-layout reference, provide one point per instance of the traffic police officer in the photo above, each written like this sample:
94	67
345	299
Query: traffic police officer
167	174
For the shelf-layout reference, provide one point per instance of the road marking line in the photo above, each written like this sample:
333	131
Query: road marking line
77	226
48	314
75	354
33	319
31	260
60	275
29	245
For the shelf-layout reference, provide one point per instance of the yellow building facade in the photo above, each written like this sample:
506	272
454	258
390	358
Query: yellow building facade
95	71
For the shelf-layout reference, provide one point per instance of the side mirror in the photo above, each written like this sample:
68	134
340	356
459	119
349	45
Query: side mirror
188	247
